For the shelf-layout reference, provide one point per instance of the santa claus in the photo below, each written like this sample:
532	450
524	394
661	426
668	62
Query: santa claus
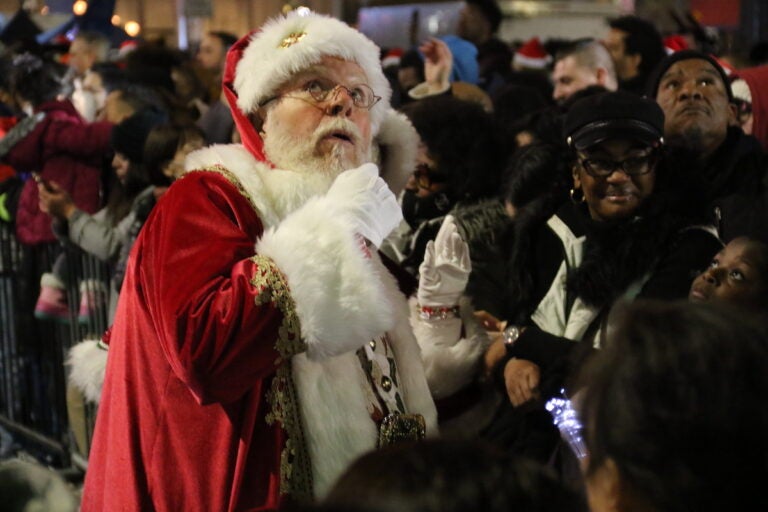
260	342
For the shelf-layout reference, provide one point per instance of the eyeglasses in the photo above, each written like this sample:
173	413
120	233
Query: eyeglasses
321	89
634	166
426	176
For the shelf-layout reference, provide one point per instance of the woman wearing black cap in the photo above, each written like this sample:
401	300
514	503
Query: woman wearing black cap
619	238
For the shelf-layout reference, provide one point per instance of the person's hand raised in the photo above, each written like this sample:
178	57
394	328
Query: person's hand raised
366	201
438	62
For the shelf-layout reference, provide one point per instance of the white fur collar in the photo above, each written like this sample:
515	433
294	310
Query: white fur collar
275	192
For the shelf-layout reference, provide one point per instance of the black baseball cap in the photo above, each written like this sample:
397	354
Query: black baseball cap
613	115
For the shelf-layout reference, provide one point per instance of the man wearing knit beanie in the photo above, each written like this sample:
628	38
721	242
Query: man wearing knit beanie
719	166
261	344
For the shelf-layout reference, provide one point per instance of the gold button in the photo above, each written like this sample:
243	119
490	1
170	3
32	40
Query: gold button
386	383
372	343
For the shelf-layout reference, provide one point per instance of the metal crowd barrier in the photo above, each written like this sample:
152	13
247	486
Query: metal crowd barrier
33	376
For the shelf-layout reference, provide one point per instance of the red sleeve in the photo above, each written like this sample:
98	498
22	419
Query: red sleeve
222	313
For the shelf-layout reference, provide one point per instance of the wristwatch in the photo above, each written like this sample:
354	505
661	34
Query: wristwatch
510	336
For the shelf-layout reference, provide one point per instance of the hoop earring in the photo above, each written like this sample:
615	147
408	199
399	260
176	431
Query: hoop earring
577	196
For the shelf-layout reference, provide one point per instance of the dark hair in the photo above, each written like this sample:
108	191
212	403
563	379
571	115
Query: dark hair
642	38
447	476
150	65
161	146
112	76
139	97
35	79
491	12
412	59
461	137
536	182
678	400
537	171
227	39
511	104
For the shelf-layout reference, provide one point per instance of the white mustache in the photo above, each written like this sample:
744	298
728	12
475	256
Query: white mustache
338	124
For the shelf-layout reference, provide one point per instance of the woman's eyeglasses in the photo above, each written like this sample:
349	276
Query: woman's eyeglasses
633	166
426	176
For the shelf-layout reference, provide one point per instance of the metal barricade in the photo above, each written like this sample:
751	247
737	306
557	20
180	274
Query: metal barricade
33	383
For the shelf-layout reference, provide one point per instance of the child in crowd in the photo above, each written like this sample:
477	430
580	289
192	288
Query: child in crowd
738	275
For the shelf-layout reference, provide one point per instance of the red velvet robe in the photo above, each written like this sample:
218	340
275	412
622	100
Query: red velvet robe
183	421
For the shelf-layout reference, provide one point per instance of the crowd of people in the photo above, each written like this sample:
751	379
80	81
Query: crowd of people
341	281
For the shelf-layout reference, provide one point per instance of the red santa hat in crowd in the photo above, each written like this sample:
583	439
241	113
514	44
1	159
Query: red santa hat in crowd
675	43
392	58
262	61
532	55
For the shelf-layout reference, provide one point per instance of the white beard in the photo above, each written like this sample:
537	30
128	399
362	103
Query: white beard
303	155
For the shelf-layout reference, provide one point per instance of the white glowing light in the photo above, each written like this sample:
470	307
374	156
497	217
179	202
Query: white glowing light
567	422
79	7
303	11
132	28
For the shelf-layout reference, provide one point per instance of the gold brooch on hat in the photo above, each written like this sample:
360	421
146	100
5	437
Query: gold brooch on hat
292	39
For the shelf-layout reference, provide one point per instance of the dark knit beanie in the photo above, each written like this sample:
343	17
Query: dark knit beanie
129	136
670	60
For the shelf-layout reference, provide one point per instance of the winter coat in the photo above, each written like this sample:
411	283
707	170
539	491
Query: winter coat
100	236
63	149
732	184
581	268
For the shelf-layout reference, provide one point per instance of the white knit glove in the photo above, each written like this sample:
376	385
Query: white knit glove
366	201
444	273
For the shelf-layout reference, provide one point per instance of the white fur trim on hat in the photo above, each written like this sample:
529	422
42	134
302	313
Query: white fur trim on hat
741	91
289	44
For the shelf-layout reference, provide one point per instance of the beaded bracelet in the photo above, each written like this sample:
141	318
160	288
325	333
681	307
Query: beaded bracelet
438	312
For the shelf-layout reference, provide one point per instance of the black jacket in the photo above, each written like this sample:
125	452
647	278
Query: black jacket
732	184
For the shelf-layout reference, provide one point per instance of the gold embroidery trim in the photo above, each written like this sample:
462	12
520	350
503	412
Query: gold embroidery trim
229	176
295	466
292	39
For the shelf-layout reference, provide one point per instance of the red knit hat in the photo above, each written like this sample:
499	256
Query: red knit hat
532	55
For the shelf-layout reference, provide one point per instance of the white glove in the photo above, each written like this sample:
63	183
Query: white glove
444	273
366	201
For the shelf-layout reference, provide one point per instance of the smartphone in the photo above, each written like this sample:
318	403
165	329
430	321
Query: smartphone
40	181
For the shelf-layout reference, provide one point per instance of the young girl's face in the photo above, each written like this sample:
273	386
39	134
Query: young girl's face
735	275
176	166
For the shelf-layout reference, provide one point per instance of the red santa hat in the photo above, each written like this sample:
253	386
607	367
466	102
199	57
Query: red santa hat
259	63
675	43
532	55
